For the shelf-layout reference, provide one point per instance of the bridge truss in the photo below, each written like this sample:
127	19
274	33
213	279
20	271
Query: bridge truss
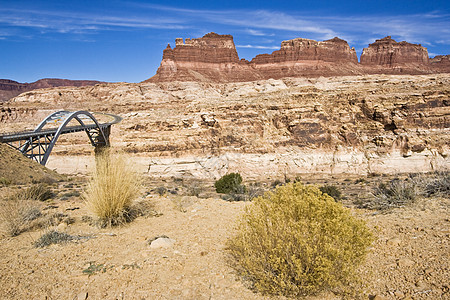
38	144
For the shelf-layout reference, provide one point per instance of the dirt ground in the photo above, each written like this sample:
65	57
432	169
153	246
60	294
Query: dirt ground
408	260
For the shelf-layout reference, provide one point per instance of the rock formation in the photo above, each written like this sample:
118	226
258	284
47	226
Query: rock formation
353	124
11	88
441	63
214	58
304	57
388	56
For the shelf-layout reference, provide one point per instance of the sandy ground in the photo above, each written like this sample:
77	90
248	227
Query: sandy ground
409	259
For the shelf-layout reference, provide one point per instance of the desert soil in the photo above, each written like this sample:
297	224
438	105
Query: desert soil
408	260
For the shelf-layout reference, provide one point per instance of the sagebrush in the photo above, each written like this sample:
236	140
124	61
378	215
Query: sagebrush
229	183
298	241
111	190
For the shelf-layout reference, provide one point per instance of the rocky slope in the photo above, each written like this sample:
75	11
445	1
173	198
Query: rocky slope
267	128
214	58
11	88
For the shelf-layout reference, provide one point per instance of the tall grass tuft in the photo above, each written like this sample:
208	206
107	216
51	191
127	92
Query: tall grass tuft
113	187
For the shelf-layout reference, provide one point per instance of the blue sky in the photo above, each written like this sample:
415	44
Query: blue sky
118	40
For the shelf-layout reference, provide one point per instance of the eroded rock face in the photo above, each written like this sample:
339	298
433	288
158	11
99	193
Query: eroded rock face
214	58
395	57
11	88
354	124
334	50
441	63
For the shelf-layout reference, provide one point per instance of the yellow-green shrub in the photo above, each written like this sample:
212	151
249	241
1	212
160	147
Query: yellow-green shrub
113	187
298	241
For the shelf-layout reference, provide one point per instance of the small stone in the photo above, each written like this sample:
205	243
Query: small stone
421	285
162	242
82	296
428	271
61	227
399	294
405	262
394	242
379	297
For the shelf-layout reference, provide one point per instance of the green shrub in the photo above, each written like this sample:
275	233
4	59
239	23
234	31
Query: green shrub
332	191
298	241
228	183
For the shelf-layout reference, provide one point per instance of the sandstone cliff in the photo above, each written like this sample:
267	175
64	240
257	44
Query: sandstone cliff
388	56
441	63
214	58
354	124
304	57
11	88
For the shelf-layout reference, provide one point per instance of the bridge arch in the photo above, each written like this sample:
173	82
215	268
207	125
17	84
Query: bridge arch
100	140
38	144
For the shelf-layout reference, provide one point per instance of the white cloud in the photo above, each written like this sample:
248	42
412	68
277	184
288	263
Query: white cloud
258	47
257	32
67	22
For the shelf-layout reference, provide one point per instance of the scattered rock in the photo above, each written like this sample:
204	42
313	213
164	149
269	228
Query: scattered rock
399	294
405	262
162	242
377	297
393	242
61	227
81	296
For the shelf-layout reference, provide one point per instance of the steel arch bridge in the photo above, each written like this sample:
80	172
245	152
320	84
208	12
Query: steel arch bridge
38	144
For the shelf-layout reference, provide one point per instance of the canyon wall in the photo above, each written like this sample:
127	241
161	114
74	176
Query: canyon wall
11	88
263	129
214	58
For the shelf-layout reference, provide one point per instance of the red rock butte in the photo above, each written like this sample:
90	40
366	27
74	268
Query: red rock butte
214	58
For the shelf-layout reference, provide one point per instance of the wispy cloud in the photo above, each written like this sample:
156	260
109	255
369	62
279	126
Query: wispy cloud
416	28
68	22
258	47
429	28
258	32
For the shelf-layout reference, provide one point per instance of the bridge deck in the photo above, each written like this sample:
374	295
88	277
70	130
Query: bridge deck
24	135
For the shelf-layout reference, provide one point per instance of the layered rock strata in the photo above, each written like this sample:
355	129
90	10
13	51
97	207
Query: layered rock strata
356	124
214	58
11	88
441	63
388	56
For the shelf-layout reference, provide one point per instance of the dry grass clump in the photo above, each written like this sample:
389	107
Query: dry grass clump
113	187
396	193
298	241
17	215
